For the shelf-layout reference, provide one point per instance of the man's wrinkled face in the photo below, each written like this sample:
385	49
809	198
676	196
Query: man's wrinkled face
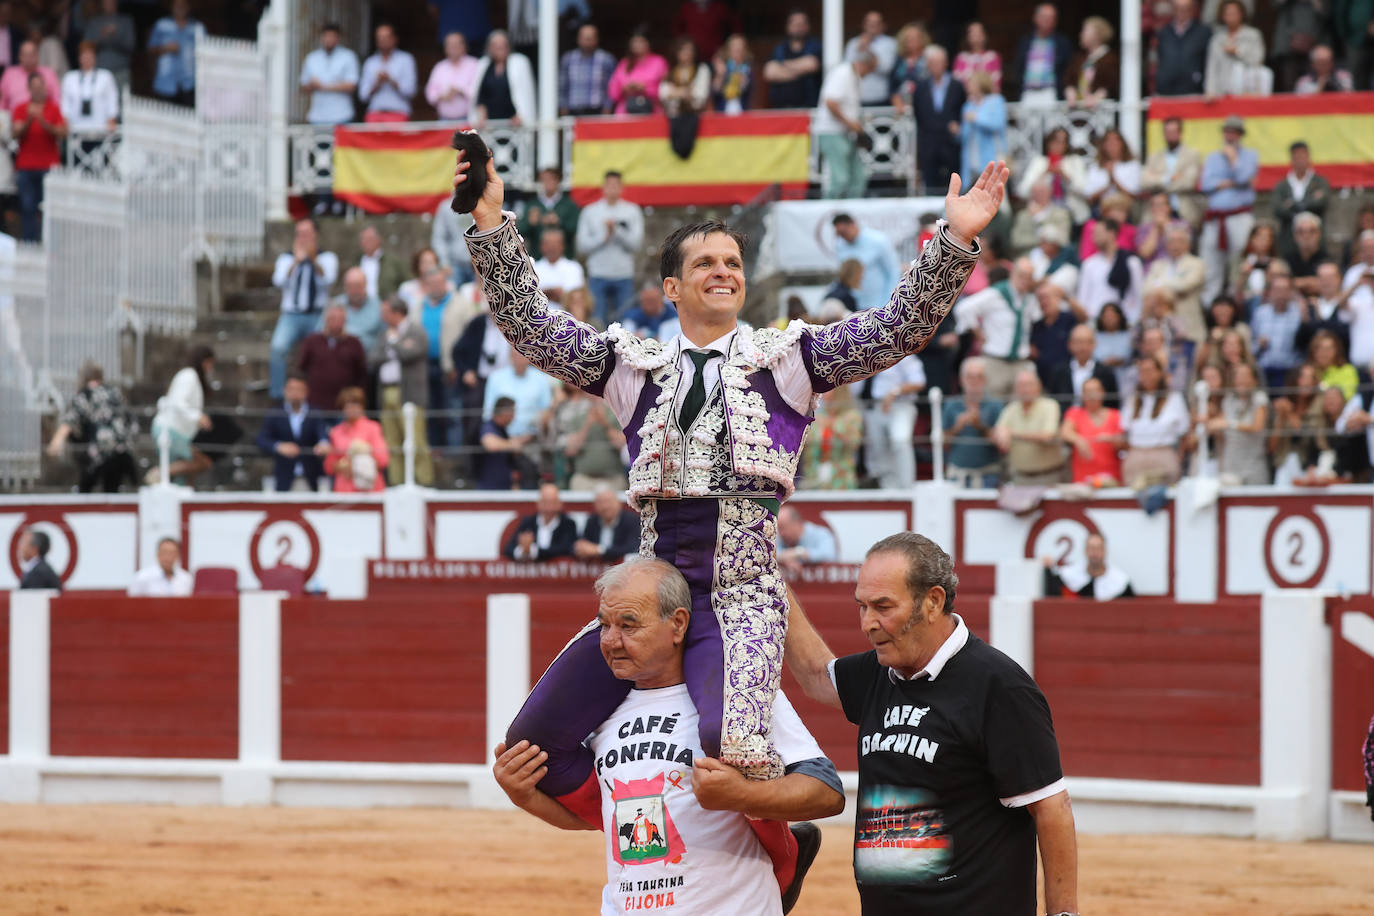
636	642
1095	550
607	505
550	501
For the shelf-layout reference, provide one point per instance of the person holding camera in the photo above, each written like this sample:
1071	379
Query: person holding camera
610	233
90	101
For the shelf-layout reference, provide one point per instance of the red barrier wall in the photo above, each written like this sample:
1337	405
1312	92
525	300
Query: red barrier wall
1150	689
139	677
385	680
4	672
1352	699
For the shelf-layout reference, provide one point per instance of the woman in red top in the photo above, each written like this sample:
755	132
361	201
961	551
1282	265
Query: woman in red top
357	452
1093	431
39	128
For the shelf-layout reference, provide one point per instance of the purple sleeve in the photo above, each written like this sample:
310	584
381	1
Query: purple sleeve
870	341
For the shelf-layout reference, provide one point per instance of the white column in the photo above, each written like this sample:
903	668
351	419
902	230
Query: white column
1195	540
272	38
832	33
1295	716
1129	120
1011	628
548	83
159	516
404	523
30	648
508	663
932	512
259	700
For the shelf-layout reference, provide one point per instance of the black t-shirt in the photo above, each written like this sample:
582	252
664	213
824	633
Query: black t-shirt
931	836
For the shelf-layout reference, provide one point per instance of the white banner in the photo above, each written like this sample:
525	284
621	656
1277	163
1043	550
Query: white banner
802	239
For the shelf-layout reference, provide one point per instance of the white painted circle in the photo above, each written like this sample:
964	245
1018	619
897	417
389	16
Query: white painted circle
1295	550
284	543
1062	540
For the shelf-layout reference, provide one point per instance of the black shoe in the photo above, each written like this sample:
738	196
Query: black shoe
808	844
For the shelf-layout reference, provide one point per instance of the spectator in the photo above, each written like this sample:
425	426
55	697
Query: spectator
1358	287
873	85
504	85
1298	422
732	77
1231	347
977	57
480	350
1114	171
1323	75
443	318
654	317
1183	274
968	418
181	415
610	232
1327	308
1117	208
1351	455
831	456
550	208
558	275
166	578
1261	248
385	273
793	74
39	128
891	422
412	291
1228	178
114	38
547	535
1275	323
1050	333
452	85
1090	579
297	438
910	68
706	23
399	359
1003	315
1309	252
1175	169
1235	55
634	84
588	442
34	571
1114	346
449	247
503	462
362	311
1093	433
1150	236
611	532
1094	74
939	109
1299	29
1110	275
1157	314
872	249
16	82
173	43
1155	420
90	100
1350	20
388	81
1040	220
1042	58
1182	47
1068	378
845	289
331	360
358	452
584	75
96	419
304	275
801	543
686	87
1027	432
838	128
1301	191
1066	170
329	76
985	127
1243	427
530	389
50	35
1326	355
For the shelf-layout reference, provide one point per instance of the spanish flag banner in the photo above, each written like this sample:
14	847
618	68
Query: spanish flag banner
1338	128
735	157
393	171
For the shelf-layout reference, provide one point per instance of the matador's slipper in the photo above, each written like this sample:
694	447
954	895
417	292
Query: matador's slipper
467	194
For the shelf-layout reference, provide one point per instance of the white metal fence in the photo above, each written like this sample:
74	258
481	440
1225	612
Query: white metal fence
23	283
232	108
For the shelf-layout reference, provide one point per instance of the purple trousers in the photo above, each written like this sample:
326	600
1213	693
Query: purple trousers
732	658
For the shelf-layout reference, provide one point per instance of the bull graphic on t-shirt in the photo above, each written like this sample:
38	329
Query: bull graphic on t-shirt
644	830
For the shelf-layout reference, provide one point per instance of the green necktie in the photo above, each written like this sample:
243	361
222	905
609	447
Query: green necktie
696	395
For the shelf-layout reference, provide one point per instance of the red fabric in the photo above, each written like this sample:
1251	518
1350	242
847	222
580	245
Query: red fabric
386	117
585	802
1106	460
707	27
1223	243
330	369
781	846
345	434
1125	240
38	150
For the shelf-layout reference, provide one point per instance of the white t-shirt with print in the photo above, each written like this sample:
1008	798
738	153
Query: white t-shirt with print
664	852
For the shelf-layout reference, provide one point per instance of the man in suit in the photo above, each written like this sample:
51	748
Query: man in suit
546	535
1042	57
1066	384
33	562
297	437
1301	191
385	272
1184	273
611	532
938	103
400	359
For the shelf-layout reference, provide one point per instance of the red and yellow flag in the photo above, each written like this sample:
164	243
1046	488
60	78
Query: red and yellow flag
735	157
1338	128
393	171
